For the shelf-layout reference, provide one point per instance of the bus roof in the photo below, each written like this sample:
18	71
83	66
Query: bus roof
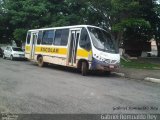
74	26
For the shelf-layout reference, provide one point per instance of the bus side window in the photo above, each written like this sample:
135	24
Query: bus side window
57	40
48	37
64	37
28	37
61	37
40	35
85	40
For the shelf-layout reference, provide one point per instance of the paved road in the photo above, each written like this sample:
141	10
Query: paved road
26	88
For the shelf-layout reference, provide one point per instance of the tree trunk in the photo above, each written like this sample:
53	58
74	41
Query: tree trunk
18	43
158	47
118	38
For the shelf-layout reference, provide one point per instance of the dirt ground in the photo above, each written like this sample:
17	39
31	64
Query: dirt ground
142	73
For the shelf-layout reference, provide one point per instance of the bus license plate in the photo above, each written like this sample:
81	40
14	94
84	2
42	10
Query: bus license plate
111	66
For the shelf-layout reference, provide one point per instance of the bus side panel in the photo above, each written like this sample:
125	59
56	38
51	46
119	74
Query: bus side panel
52	54
83	54
27	51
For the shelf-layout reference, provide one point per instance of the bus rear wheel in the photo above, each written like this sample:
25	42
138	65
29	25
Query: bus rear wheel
40	61
84	68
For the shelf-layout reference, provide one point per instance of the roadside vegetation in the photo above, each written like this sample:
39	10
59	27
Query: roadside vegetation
140	64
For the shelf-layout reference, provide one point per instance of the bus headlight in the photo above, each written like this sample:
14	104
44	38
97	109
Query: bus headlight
101	59
107	61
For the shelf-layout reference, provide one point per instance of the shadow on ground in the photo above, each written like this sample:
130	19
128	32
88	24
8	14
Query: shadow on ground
76	71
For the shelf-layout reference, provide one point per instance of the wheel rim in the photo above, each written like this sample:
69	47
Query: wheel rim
40	61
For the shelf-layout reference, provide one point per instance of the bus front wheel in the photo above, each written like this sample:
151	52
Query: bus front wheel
40	62
84	68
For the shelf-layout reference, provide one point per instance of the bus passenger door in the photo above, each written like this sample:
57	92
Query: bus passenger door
73	44
34	37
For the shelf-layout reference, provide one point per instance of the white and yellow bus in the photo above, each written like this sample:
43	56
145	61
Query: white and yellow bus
84	47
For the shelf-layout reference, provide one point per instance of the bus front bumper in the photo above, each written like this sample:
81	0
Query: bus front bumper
99	65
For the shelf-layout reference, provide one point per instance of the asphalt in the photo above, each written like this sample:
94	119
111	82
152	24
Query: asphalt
26	88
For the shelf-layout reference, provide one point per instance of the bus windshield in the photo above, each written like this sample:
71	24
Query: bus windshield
102	40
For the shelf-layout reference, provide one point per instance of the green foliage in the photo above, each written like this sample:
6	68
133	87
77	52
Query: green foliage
27	14
140	64
124	5
119	16
131	23
20	34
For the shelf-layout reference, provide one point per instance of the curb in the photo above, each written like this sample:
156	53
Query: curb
155	80
149	79
119	74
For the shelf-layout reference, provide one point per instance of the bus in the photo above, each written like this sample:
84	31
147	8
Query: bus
84	47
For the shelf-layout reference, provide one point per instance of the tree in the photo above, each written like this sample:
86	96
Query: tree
156	24
25	15
116	16
33	14
151	12
5	27
98	13
126	15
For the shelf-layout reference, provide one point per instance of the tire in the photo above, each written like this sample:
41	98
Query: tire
84	68
41	62
11	57
4	56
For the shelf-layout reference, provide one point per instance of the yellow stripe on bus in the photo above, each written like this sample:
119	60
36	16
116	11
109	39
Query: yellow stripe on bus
27	48
57	50
51	50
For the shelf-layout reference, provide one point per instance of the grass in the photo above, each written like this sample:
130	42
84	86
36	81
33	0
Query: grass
140	64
